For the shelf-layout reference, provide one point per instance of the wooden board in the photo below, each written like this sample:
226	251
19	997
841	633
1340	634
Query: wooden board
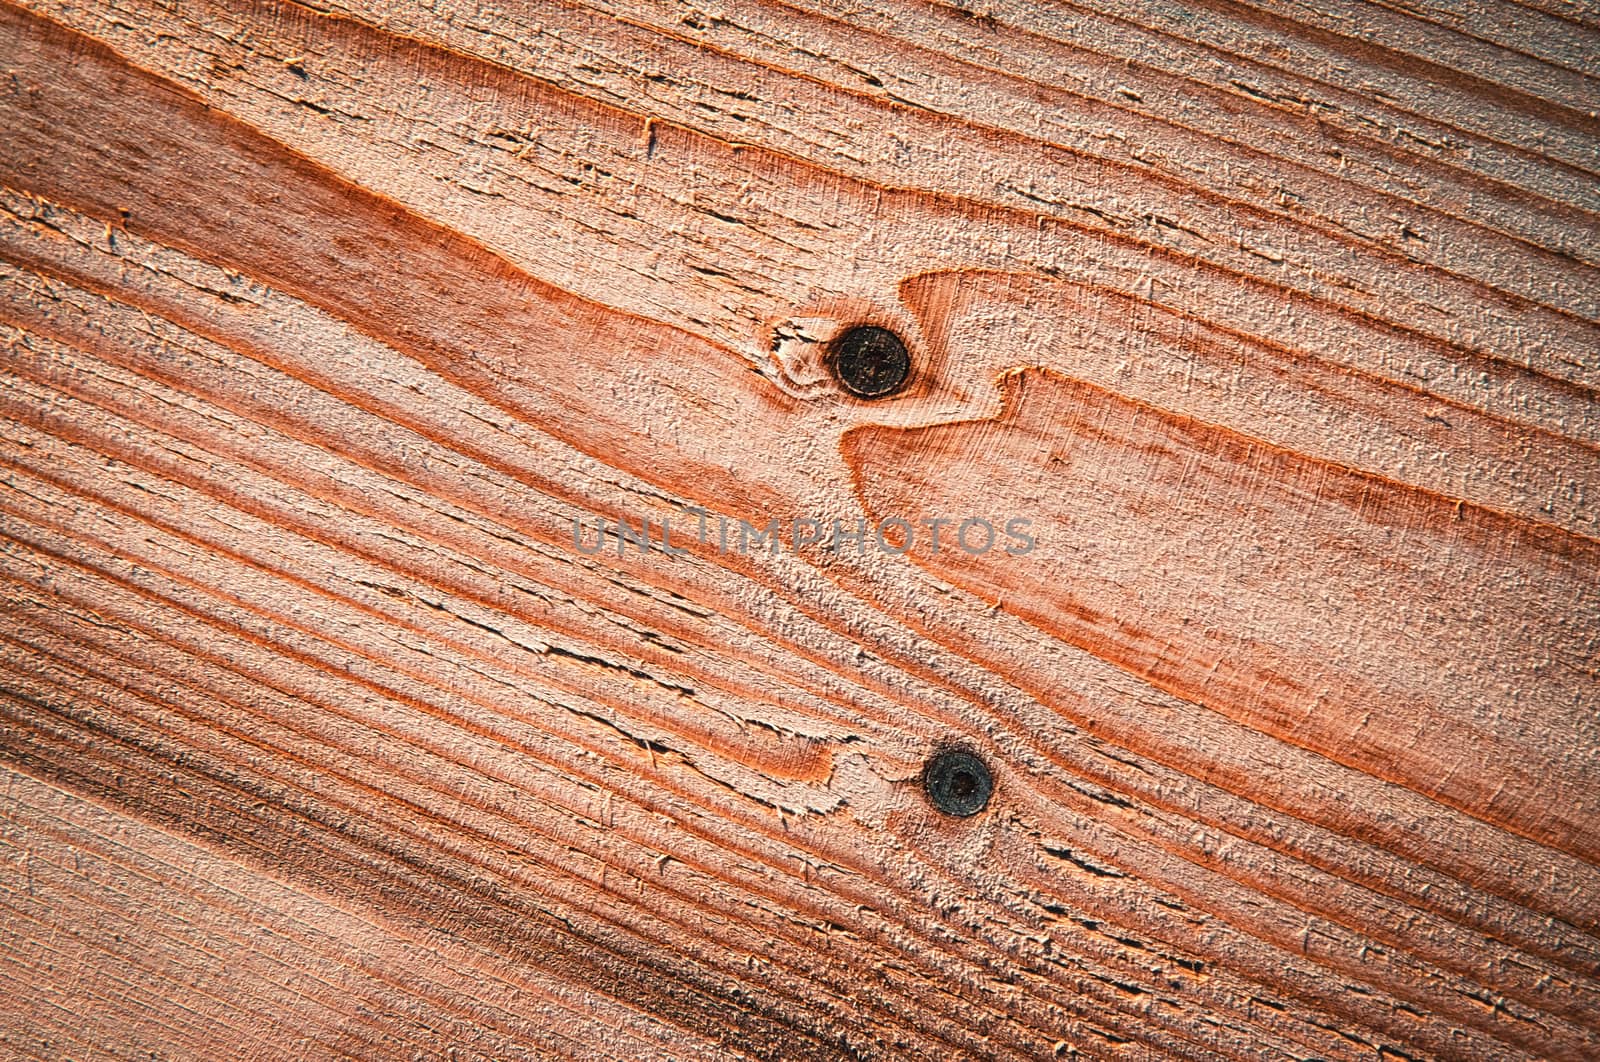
334	334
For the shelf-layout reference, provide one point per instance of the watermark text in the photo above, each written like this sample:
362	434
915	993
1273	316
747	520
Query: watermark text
682	533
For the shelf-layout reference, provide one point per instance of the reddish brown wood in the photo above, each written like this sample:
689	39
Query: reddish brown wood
323	327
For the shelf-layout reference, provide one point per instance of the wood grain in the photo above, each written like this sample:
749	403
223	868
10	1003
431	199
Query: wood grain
325	326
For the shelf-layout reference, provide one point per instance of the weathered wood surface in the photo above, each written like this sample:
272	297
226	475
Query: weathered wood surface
323	325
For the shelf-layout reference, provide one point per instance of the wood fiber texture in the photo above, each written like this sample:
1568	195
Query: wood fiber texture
324	327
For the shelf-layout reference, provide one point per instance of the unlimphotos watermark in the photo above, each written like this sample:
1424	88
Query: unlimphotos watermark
973	535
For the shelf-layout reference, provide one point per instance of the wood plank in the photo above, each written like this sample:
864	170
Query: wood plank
326	328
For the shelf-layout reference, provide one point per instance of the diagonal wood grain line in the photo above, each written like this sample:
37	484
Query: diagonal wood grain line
86	419
1177	118
321	329
1123	783
282	517
163	870
590	427
1008	90
1475	323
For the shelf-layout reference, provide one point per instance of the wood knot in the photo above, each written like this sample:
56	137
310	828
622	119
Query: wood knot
854	351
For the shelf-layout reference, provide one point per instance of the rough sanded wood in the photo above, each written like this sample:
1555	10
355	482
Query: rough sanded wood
325	327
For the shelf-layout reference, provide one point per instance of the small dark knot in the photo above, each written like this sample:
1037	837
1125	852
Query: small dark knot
958	783
871	362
